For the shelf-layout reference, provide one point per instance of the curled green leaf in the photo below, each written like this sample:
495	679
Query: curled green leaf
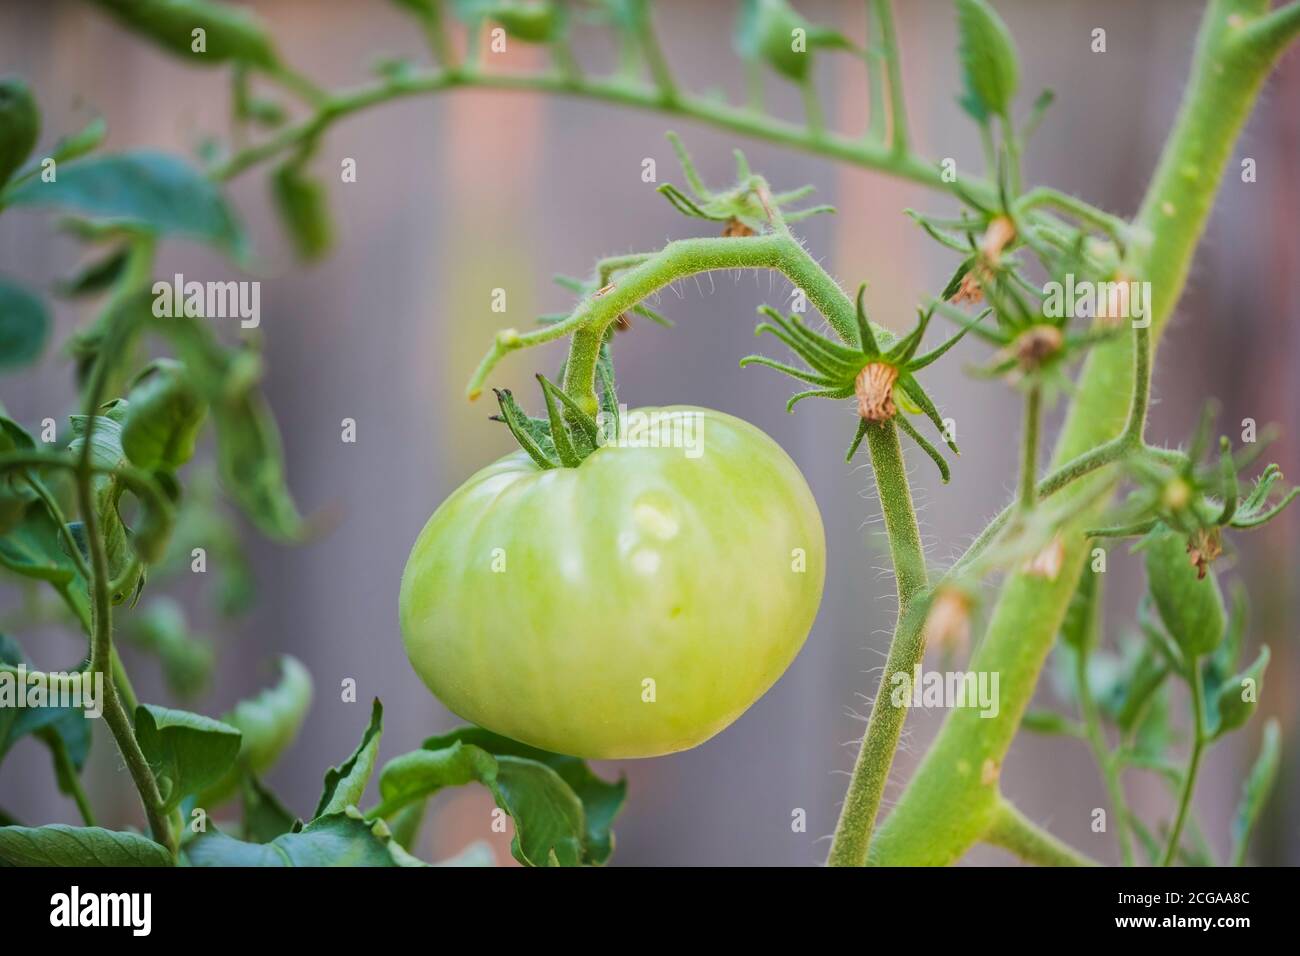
187	752
268	723
164	415
303	205
20	125
988	58
202	32
24	326
1239	695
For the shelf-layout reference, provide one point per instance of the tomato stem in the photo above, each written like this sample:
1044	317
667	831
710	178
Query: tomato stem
1013	831
102	654
1029	447
1193	760
885	725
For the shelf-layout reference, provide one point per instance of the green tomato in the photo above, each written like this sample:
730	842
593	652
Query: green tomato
632	606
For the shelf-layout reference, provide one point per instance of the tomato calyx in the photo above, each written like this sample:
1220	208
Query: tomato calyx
568	434
1197	496
880	378
747	208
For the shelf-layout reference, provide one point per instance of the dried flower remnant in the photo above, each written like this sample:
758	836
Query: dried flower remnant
1203	548
947	624
874	388
736	229
1047	563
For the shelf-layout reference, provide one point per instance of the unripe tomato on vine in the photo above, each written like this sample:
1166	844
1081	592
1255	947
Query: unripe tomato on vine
631	606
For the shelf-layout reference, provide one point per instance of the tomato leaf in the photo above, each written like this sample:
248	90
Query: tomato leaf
187	752
1239	696
30	543
20	124
346	783
1255	791
106	453
146	190
549	825
95	275
767	29
988	59
303	205
163	418
229	33
78	144
249	453
57	727
1049	722
539	22
601	800
160	628
268	722
407	822
1081	625
61	845
1152	734
265	816
338	839
1146	675
252	466
24	326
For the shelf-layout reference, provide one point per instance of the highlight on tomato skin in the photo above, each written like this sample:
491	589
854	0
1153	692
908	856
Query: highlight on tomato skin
633	606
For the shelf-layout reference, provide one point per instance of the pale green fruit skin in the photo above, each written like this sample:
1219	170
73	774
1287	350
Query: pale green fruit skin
640	564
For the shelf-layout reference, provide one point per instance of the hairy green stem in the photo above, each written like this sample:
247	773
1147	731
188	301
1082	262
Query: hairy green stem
1013	831
655	60
102	652
812	109
56	515
70	545
883	17
1029	447
949	804
1113	226
1193	760
869	154
678	260
885	725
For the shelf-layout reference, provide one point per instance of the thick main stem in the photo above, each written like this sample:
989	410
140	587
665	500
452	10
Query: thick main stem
885	725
